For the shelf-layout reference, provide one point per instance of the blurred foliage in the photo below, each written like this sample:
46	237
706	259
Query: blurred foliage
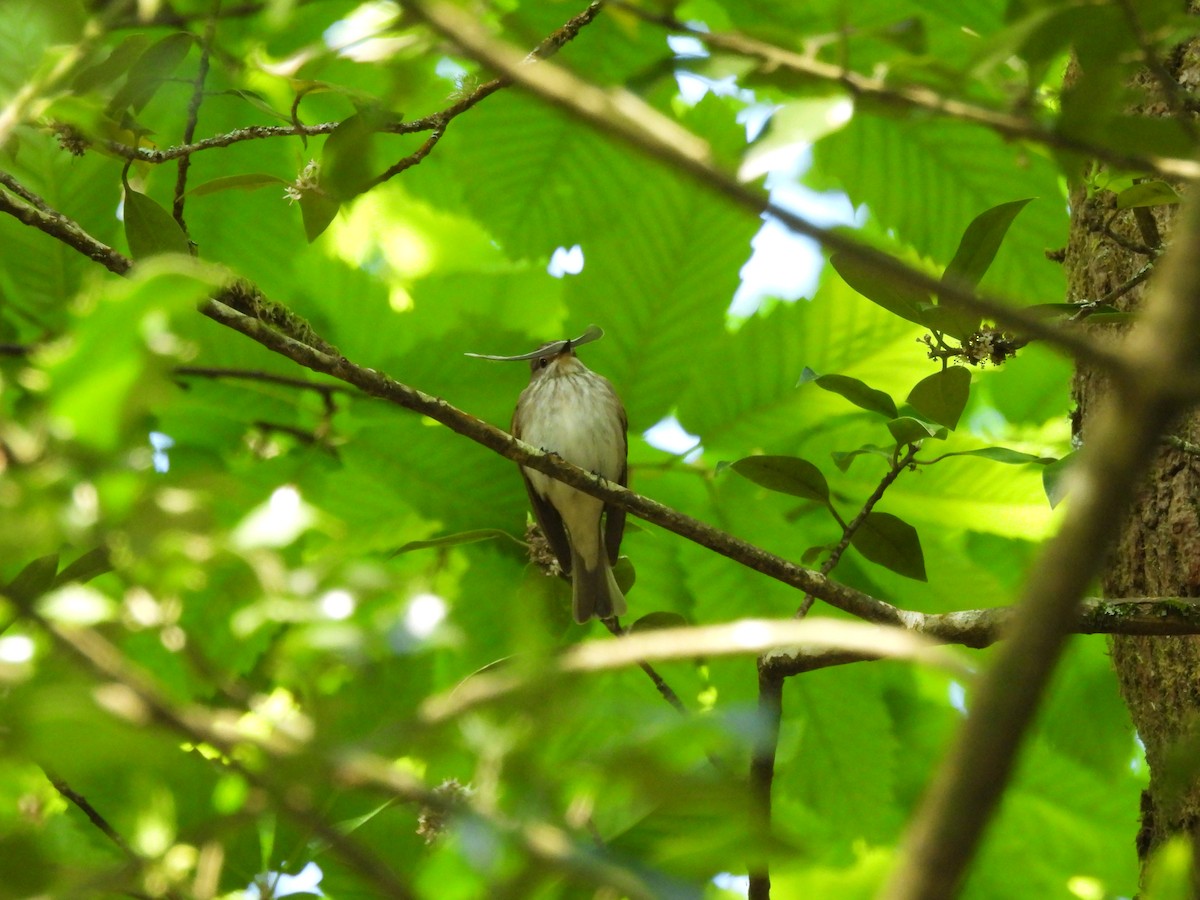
238	532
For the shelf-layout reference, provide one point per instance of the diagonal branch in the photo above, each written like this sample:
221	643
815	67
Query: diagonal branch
625	116
925	100
971	628
944	835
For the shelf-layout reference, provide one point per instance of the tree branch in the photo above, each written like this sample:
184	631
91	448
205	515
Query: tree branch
946	830
193	112
623	115
973	628
915	97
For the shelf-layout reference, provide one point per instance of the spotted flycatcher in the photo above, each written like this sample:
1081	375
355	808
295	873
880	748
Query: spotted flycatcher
570	410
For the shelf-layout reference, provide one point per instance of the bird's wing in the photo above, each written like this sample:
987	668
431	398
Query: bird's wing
551	524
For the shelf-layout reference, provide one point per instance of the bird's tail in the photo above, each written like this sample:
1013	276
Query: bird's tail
594	592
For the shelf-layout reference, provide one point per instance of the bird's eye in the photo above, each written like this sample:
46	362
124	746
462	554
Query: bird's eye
543	362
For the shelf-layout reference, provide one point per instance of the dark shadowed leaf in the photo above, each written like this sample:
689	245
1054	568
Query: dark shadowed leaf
892	543
90	565
656	620
454	540
943	395
843	459
857	392
907	430
318	211
114	65
248	181
150	229
34	580
880	288
1002	455
152	69
625	574
786	474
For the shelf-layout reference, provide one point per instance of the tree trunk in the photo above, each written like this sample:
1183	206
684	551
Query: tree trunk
1158	553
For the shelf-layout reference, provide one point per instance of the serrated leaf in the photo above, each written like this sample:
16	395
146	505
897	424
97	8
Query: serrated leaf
85	568
455	540
891	542
34	580
908	430
317	210
656	620
1147	193
248	181
880	288
150	229
943	395
1054	479
857	392
785	474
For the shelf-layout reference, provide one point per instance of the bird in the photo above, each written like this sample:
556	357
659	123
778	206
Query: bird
575	413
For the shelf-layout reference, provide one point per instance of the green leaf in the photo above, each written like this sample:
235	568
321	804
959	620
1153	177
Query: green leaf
152	69
943	395
857	392
908	430
786	474
150	229
114	65
34	580
843	459
1002	455
246	182
624	573
455	540
1054	480
892	543
85	568
980	243
347	159
880	287
1147	193
318	210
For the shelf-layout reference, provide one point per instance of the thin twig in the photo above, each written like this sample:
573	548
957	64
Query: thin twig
663	688
945	833
302	384
971	628
919	98
93	816
625	116
897	465
193	112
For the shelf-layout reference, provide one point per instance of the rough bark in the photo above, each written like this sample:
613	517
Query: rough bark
1158	553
